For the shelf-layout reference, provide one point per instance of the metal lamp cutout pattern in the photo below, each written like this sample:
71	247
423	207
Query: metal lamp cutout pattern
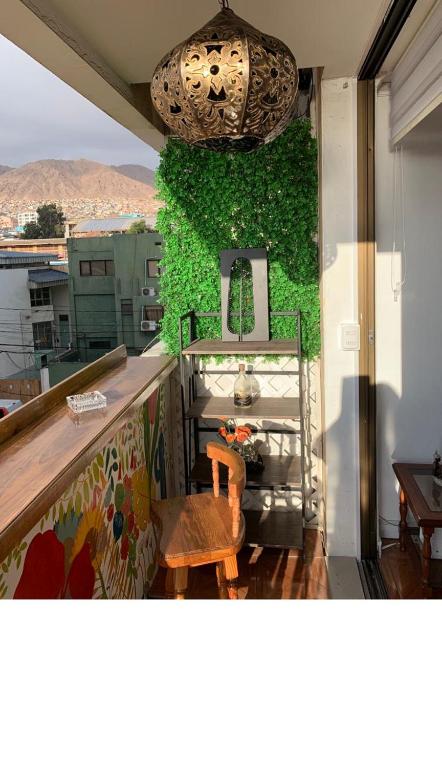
227	87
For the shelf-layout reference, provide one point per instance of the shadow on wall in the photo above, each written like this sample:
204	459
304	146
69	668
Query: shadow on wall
342	449
409	358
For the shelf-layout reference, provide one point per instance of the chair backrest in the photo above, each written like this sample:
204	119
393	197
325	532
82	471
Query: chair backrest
236	473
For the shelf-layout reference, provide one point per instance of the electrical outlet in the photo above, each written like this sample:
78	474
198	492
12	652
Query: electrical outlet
350	337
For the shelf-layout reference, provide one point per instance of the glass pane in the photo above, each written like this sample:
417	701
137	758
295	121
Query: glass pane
42	335
98	268
127	308
153	268
153	313
110	270
85	267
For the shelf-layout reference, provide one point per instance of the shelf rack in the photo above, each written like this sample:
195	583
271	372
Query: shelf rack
284	527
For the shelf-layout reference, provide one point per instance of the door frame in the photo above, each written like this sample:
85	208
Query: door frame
366	311
384	40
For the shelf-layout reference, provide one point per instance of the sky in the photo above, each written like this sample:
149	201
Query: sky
43	118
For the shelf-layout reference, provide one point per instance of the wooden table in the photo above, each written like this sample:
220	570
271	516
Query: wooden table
426	506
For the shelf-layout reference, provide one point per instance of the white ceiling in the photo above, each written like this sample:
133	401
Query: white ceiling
132	35
101	47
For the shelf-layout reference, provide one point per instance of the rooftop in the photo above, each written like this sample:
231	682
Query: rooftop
113	224
48	277
24	257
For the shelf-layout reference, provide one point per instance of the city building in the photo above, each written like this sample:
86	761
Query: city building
34	311
55	246
114	292
109	226
6	222
25	217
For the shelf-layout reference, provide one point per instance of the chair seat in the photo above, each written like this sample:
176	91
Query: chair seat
195	530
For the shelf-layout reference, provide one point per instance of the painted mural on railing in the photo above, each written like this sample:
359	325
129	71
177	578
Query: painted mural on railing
97	540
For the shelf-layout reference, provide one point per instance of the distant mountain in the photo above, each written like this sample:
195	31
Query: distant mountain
5	169
74	179
137	173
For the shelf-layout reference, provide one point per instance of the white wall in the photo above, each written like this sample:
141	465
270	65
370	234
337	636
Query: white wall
409	330
339	305
15	321
15	326
60	303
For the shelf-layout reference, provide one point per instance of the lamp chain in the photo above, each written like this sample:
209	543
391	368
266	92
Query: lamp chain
224	4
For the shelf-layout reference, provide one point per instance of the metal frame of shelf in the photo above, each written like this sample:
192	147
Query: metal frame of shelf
188	392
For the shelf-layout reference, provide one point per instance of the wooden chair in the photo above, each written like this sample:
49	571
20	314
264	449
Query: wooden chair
204	528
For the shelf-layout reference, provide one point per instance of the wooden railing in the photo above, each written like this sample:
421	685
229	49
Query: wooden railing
75	513
41	405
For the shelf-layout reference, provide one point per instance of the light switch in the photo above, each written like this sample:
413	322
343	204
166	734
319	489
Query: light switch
350	337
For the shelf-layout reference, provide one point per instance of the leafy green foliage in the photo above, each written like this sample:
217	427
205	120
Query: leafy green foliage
138	228
241	298
216	201
49	224
31	231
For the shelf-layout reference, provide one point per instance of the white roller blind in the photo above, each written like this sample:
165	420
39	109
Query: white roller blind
416	84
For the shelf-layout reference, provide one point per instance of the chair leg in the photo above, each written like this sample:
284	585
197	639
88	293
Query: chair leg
231	571
221	579
180	582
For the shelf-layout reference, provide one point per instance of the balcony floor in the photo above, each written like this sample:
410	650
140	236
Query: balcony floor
402	572
274	574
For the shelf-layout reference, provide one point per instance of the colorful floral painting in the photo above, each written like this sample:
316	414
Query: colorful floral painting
97	540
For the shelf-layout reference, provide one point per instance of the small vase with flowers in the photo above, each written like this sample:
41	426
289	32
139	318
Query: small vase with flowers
238	437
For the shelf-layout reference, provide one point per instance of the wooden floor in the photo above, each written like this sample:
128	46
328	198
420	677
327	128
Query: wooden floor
265	574
401	571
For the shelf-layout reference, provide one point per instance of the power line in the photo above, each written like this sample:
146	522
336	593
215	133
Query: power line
46	308
18	367
49	308
27	346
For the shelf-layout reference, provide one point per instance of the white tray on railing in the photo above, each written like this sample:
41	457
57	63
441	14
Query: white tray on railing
88	401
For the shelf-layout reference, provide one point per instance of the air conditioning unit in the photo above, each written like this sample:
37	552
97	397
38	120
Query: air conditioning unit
149	325
147	291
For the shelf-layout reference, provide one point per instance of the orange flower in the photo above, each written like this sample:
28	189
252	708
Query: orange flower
241	437
222	431
230	438
244	430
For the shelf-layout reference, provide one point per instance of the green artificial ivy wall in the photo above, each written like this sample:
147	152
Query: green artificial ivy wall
214	201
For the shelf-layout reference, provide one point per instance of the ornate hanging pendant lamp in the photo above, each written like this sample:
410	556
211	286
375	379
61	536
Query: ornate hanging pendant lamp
227	87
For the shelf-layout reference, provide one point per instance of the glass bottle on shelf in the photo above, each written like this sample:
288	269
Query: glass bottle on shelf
242	390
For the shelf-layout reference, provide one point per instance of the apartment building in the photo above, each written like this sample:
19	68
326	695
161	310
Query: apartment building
114	289
24	217
34	310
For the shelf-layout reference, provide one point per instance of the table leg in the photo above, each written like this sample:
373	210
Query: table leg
403	509
170	583
426	562
180	582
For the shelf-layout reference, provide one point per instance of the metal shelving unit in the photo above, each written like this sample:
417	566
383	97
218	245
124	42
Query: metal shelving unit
280	527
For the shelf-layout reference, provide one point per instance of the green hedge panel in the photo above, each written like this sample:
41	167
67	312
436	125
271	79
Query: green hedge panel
215	201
